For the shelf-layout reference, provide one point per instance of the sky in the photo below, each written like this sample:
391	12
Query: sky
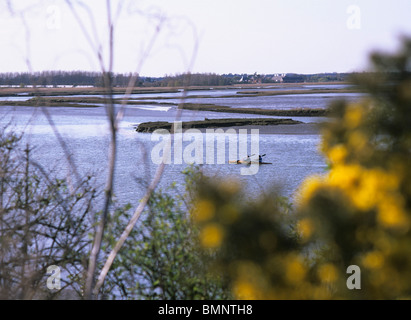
164	37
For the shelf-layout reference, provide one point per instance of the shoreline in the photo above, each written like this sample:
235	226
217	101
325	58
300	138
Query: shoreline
66	97
91	102
296	112
86	102
296	129
149	127
41	91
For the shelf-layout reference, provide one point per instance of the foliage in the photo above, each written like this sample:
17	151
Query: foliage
87	78
44	221
58	78
161	258
358	213
254	243
362	208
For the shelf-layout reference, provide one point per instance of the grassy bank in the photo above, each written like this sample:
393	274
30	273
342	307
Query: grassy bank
13	91
66	97
80	102
94	102
297	112
257	93
48	104
9	92
214	123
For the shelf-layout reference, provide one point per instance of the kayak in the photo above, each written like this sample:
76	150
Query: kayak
247	162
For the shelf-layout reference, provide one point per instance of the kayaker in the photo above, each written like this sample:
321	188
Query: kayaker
260	158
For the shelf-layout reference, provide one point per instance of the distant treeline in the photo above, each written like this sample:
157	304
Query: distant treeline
61	78
96	79
193	79
318	77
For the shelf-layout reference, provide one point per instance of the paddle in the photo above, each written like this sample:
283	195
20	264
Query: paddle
251	155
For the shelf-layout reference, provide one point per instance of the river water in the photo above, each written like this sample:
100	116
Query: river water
293	152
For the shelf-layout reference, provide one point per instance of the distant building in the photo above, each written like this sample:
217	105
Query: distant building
244	78
278	77
256	78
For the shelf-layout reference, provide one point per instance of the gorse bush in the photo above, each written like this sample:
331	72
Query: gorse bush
253	242
358	213
361	210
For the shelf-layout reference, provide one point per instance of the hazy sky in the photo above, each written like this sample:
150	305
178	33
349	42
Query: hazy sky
223	36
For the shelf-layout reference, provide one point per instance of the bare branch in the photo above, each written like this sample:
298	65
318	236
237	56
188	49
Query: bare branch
145	199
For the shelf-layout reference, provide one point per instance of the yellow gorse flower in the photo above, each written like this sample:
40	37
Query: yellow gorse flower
337	154
353	116
305	227
295	269
245	290
373	260
204	210
345	176
211	235
357	140
327	273
391	213
308	188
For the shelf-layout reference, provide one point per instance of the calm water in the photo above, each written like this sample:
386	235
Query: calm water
289	101
85	131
